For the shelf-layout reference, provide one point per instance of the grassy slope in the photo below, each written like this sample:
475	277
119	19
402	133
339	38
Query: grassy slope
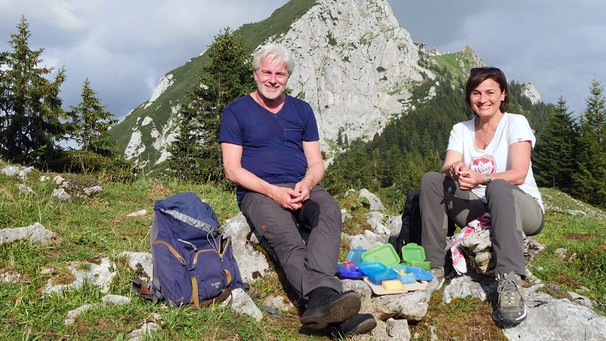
97	227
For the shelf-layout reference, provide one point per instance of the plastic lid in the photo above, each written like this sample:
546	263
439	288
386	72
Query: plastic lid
412	252
420	274
355	255
368	268
348	269
384	254
350	273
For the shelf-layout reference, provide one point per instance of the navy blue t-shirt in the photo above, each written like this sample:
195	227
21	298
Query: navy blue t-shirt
272	144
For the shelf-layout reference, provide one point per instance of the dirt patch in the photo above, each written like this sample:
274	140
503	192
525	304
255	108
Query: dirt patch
462	319
97	260
581	236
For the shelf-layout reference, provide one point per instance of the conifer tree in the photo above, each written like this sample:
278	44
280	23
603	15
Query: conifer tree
391	167
589	182
553	159
90	123
196	153
30	107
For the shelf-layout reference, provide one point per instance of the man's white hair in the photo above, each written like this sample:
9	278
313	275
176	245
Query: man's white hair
275	52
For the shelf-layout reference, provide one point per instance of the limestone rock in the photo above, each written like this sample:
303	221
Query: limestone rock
242	303
35	233
557	319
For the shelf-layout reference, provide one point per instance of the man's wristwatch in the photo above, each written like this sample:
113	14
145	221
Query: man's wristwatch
488	179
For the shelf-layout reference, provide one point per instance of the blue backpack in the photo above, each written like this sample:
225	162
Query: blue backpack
193	261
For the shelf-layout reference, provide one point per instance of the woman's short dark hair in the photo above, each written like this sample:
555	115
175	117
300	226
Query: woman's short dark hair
480	74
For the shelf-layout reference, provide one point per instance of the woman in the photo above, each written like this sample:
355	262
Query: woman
487	169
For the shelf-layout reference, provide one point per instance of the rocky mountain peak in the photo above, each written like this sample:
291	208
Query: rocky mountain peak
355	66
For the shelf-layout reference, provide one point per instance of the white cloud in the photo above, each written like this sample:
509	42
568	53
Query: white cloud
557	46
60	13
124	47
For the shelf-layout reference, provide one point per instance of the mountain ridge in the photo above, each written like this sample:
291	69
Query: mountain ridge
358	68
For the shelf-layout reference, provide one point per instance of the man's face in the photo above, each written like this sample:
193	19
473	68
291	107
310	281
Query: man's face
271	78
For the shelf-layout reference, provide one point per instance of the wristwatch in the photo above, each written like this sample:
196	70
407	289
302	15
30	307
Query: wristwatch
488	179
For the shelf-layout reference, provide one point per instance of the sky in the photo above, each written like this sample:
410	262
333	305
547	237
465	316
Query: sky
124	47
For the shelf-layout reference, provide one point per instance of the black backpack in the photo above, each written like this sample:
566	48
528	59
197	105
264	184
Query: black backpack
411	222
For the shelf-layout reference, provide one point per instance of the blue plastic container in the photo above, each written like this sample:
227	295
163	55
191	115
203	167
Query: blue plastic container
355	255
378	277
404	275
350	271
420	274
368	268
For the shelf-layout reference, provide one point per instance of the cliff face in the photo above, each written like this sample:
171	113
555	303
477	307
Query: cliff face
355	65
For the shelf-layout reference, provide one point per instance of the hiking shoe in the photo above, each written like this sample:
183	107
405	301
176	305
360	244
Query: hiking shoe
357	324
326	306
511	308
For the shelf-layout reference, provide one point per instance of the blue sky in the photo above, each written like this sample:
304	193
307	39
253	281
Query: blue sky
124	47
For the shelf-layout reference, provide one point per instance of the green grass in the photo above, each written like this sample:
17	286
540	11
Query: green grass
575	255
89	229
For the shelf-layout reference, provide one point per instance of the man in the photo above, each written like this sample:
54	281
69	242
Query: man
271	150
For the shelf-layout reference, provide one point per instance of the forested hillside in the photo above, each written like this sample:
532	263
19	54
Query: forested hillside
413	112
570	151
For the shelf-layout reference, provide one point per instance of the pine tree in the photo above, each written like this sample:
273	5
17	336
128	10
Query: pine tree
589	181
30	116
391	167
196	153
553	159
90	123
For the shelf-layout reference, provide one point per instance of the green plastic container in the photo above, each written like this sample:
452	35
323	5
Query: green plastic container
414	255
384	254
425	265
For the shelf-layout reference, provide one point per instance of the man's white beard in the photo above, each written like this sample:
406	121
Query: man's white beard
268	96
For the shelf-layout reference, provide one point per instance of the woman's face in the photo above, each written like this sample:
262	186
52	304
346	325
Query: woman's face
486	98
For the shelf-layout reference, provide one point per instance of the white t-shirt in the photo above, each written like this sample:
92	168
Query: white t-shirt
495	158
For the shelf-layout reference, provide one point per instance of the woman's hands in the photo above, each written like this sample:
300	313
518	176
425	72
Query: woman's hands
455	169
466	178
469	179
